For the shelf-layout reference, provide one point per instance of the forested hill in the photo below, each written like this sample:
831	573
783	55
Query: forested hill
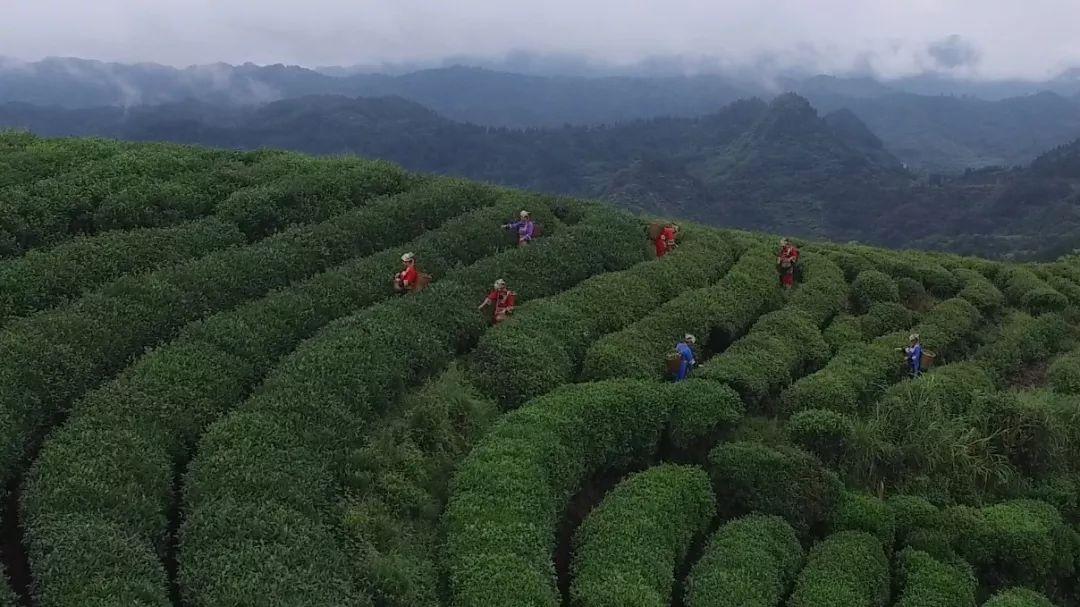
932	124
751	164
778	166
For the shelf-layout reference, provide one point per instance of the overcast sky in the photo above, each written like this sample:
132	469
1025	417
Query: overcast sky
975	38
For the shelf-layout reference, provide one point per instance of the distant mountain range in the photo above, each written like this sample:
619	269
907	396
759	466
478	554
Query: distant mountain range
776	165
930	122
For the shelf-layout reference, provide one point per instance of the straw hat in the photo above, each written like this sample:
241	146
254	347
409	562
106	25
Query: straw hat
690	339
500	283
407	257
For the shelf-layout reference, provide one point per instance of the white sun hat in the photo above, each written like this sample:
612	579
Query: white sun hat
524	214
913	337
500	283
690	338
407	257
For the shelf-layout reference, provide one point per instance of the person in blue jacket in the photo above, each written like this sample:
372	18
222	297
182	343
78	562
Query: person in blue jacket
686	356
914	355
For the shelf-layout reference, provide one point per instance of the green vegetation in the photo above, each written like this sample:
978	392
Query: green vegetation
230	405
1018	597
716	314
749	562
846	569
626	551
926	582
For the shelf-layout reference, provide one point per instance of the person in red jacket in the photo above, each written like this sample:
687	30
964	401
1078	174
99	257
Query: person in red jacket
665	242
406	279
502	298
785	261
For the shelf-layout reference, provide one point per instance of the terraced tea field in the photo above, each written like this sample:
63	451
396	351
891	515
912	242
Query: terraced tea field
210	395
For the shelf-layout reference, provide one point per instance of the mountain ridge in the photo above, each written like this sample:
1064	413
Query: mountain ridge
931	132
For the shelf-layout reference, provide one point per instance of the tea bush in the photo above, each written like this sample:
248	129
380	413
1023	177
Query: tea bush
749	562
785	481
47	277
928	582
627	549
509	494
847	569
715	314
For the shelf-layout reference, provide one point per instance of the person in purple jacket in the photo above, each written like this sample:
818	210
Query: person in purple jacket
686	356
524	227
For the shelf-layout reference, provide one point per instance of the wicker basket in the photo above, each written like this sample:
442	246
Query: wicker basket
927	359
673	364
422	281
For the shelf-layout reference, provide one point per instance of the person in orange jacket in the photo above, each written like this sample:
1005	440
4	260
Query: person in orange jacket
502	298
785	261
665	241
408	277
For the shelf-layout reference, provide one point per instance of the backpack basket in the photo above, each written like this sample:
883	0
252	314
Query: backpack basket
673	364
927	359
422	281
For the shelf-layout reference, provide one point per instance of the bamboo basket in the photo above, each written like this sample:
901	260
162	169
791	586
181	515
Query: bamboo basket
673	364
422	281
927	359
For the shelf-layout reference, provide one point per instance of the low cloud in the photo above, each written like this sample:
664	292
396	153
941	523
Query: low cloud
996	39
954	52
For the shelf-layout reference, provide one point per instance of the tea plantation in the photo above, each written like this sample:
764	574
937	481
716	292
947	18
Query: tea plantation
210	395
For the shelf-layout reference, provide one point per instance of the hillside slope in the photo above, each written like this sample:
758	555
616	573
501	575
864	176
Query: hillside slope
256	415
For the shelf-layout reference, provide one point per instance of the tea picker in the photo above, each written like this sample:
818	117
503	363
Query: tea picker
663	237
785	263
684	358
918	360
525	228
502	298
410	279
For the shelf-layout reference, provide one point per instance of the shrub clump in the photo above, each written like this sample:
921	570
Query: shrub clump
749	562
1064	375
911	513
872	286
509	493
843	331
824	433
1018	597
883	318
927	582
785	481
979	291
862	512
847	569
1022	542
700	408
1023	340
1024	288
628	548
